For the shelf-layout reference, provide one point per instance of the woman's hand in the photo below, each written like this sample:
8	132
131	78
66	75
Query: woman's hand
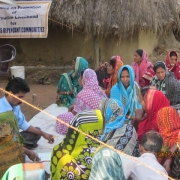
104	64
71	108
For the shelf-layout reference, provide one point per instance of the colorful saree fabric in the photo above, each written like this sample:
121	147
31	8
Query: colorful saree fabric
169	86
155	100
168	122
128	96
26	171
87	99
73	157
107	164
69	82
143	72
173	68
117	133
10	142
114	77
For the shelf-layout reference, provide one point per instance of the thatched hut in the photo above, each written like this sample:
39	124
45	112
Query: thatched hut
97	29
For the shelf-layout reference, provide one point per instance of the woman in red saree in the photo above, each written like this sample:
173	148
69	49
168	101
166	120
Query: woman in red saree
168	122
173	64
154	101
143	68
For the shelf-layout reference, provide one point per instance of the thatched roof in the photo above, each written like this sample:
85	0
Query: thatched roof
117	17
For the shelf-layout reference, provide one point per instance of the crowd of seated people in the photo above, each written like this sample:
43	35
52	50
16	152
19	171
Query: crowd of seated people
132	109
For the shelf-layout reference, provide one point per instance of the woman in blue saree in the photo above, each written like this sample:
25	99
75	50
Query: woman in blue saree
127	91
68	85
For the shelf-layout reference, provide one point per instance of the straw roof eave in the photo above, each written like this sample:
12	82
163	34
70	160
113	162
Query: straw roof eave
116	17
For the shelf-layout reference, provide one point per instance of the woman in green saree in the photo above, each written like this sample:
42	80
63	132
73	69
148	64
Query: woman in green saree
68	85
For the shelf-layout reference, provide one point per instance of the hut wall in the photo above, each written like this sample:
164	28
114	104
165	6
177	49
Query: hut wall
60	47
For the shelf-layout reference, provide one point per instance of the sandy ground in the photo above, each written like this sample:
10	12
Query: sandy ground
45	94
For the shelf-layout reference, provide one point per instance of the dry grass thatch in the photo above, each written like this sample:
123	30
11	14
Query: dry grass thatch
117	17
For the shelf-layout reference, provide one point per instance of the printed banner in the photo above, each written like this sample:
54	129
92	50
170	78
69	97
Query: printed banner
26	19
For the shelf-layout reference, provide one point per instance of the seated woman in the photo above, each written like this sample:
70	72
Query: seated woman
173	64
168	122
166	82
68	86
154	100
11	148
127	91
87	99
72	158
118	132
143	68
113	67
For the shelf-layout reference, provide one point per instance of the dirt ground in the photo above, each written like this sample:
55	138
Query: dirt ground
46	95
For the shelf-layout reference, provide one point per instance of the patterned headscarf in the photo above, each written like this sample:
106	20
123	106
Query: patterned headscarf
168	122
114	76
91	94
113	112
168	63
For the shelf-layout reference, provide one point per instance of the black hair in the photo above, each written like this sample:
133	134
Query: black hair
158	65
112	61
82	72
17	85
152	141
173	53
139	52
144	90
125	69
74	59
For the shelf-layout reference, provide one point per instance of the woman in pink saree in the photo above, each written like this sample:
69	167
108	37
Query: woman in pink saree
143	68
87	99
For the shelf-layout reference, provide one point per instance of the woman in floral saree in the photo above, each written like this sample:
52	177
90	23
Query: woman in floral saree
68	85
72	158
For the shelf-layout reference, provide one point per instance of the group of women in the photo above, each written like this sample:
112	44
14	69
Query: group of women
117	104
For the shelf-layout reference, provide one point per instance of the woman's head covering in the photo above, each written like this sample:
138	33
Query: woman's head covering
114	76
155	100
160	64
127	96
168	62
113	113
168	121
90	82
81	65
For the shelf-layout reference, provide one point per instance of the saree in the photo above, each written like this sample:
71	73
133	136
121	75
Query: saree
87	99
72	158
11	142
26	171
129	96
117	132
107	164
114	77
155	100
69	82
173	68
168	122
143	72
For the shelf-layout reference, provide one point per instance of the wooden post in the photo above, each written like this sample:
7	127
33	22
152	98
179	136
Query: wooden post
96	52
